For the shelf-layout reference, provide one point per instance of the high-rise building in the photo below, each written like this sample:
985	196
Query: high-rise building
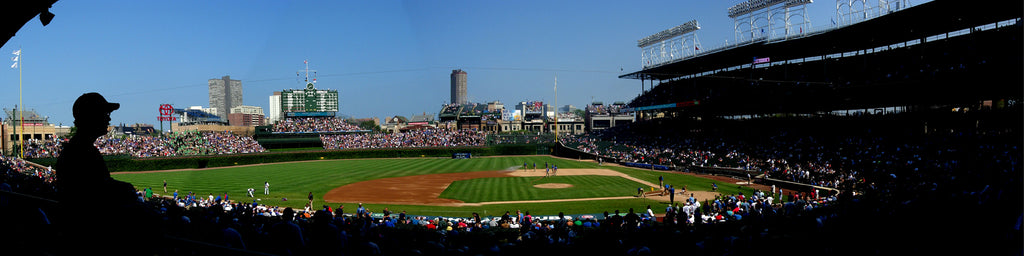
459	87
275	108
225	94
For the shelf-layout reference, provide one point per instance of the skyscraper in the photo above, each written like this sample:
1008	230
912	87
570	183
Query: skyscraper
225	94
459	87
275	108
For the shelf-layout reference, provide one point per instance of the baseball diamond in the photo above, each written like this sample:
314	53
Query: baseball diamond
423	185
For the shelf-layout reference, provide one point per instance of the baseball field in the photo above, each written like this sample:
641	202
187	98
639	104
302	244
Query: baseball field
439	186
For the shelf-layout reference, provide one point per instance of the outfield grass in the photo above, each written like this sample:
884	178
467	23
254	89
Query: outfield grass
296	179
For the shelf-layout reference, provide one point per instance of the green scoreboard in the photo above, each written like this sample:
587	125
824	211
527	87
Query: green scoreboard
295	102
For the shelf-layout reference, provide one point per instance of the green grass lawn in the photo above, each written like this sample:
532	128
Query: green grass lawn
296	179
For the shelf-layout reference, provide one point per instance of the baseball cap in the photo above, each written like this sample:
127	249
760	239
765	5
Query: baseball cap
92	103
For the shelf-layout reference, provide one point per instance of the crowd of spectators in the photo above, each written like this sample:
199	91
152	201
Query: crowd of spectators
314	124
240	225
605	109
409	139
35	148
30	179
829	161
812	166
658	150
569	116
900	202
496	115
361	231
906	181
910	192
450	109
171	144
178	144
534	106
473	109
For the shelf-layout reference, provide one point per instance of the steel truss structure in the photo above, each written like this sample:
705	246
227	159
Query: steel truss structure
770	19
676	43
853	11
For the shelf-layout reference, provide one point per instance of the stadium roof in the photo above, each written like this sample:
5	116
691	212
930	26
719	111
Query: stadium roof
195	113
921	21
18	13
29	115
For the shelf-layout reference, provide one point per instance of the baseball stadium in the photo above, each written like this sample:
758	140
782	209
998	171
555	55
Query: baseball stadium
438	186
898	132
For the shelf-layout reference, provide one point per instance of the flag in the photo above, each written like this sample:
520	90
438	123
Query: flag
17	54
305	62
696	48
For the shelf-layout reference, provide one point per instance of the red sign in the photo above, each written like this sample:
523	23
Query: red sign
166	110
165	113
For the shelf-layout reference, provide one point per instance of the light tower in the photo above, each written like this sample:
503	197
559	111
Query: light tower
556	108
853	11
769	19
672	44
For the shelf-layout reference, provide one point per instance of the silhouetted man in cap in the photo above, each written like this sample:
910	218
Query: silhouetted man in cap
101	214
82	173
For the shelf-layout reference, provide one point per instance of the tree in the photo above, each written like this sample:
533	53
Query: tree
369	125
71	132
579	113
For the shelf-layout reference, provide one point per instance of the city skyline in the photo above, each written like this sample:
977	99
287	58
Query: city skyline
384	58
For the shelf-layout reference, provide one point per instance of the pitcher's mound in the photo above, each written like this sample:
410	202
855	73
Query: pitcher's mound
553	185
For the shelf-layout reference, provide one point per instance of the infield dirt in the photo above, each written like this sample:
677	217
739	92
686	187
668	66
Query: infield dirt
426	189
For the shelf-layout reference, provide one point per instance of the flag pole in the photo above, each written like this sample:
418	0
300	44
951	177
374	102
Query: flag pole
21	136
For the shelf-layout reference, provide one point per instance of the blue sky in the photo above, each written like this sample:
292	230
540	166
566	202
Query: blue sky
386	58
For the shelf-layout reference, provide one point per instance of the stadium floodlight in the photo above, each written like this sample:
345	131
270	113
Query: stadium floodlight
751	6
689	26
791	3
